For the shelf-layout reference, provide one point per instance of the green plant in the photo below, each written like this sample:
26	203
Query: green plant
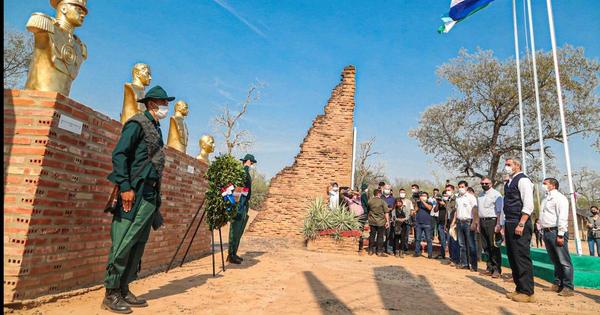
320	217
224	170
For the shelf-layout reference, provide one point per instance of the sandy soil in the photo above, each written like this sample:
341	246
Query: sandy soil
280	277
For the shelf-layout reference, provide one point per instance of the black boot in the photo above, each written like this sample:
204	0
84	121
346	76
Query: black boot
131	299
113	302
232	259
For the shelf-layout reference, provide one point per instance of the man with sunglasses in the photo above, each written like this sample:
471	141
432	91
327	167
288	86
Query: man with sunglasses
489	205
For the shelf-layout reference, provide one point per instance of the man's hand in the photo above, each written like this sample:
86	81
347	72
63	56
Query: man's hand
474	226
387	225
127	198
498	229
519	230
560	241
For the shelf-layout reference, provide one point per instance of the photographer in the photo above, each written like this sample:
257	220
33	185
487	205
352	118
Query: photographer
594	231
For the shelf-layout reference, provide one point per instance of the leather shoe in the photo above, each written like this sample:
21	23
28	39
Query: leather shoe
523	298
553	288
232	259
496	275
238	258
382	254
511	294
566	292
486	273
113	302
133	300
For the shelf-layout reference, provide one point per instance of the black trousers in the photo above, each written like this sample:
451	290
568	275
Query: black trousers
487	229
376	231
518	252
401	240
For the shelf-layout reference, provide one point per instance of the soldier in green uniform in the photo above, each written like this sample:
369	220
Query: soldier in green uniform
138	161
239	222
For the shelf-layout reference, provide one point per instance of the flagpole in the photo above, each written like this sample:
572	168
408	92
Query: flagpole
523	157
537	92
564	127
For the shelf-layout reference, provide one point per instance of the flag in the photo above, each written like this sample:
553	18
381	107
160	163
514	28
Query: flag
460	10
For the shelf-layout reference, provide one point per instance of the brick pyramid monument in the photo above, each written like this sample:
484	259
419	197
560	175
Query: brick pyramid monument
325	157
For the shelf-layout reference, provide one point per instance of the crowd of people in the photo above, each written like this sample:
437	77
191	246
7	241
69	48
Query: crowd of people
459	219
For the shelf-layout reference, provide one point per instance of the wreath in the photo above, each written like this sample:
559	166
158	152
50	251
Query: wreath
223	175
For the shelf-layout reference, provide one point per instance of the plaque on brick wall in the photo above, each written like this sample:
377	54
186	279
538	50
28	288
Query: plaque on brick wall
190	169
70	124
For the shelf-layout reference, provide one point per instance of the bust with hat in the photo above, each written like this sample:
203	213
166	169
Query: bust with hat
58	53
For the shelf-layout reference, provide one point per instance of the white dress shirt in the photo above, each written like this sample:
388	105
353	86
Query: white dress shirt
489	204
555	212
464	206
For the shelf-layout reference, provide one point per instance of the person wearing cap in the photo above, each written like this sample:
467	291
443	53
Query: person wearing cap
138	161
241	219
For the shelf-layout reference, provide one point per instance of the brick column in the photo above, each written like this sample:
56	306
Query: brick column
325	157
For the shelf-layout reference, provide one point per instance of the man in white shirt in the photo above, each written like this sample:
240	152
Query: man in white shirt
516	212
554	219
466	219
489	206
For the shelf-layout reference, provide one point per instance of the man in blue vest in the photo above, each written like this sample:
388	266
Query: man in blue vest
518	206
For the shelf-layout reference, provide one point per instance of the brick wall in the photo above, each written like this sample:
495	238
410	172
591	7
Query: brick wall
56	237
325	157
343	245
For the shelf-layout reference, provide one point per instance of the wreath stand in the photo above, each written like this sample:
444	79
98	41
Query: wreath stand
212	237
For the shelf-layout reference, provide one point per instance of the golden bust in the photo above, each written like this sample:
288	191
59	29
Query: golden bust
178	133
207	146
57	53
135	90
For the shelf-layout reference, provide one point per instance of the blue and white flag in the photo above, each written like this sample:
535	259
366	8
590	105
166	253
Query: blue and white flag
460	10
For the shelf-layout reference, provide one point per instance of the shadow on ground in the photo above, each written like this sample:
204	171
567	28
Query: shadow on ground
393	280
328	301
177	286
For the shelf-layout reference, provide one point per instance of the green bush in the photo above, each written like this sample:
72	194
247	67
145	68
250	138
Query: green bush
224	170
321	218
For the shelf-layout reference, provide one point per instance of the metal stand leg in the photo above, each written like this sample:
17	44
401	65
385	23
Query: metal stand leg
192	240
221	242
212	237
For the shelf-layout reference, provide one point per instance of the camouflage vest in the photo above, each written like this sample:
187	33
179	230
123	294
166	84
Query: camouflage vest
153	141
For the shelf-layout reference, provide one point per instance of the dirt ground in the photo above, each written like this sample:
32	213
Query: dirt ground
279	277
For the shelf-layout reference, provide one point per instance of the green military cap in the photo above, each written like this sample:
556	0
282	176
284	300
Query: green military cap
156	93
248	157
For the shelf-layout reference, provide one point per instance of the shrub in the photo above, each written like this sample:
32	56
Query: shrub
321	220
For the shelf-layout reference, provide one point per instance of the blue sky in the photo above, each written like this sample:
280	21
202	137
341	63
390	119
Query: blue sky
208	52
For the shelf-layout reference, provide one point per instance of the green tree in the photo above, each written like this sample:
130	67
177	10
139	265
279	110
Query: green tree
260	187
478	125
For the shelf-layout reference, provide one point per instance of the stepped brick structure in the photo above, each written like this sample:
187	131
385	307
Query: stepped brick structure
325	157
57	154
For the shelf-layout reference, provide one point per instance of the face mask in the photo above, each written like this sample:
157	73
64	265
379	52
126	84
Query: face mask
485	187
335	189
252	166
386	191
423	198
414	190
445	198
508	169
462	191
546	188
402	195
162	111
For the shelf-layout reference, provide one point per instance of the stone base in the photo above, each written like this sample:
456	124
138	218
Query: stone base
343	245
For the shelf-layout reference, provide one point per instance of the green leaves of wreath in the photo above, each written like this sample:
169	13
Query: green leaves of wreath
224	170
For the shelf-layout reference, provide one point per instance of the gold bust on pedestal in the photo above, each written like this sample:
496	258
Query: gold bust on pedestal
57	53
178	133
135	90
207	146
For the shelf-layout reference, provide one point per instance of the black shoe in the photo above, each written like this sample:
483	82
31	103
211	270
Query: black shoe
382	254
371	252
238	258
416	255
233	259
133	300
113	302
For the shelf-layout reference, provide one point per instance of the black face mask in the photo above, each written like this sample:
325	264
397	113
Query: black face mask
415	195
485	187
